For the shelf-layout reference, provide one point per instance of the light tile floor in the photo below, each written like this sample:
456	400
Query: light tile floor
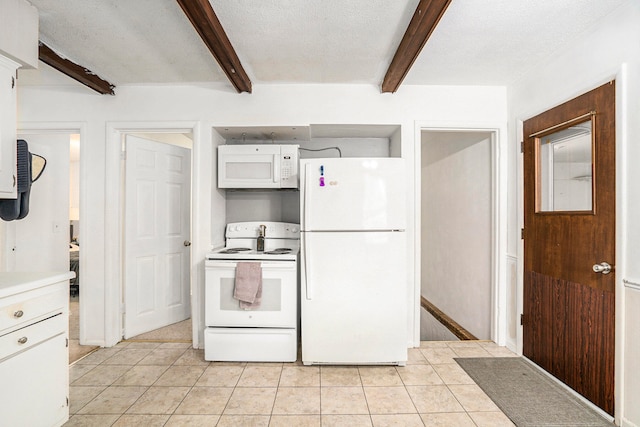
170	384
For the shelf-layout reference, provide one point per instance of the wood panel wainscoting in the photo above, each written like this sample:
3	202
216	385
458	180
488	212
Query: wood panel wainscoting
567	328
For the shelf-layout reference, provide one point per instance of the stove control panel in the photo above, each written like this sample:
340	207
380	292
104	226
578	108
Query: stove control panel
273	230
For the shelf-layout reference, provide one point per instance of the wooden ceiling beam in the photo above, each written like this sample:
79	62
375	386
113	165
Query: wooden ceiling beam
206	23
424	21
73	70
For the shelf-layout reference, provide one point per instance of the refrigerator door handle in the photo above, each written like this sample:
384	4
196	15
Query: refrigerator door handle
305	266
305	206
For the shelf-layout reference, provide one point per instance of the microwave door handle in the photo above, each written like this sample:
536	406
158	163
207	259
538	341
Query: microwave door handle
276	168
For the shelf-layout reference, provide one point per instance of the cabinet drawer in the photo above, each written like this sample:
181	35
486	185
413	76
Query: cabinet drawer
30	306
29	336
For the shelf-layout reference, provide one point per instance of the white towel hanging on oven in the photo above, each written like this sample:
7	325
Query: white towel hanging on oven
248	285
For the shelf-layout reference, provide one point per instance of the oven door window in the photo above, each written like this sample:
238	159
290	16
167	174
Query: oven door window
279	296
271	295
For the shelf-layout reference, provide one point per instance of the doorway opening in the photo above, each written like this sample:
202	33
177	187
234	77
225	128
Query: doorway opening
156	200
457	209
49	237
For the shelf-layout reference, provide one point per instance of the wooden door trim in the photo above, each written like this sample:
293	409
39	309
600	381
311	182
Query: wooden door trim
566	123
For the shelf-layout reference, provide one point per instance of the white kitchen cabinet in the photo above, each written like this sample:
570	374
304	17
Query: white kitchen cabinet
34	353
18	48
8	115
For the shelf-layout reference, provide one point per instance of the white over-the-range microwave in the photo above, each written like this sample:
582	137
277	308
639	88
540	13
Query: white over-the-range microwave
258	166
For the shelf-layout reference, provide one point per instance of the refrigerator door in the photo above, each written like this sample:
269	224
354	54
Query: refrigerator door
353	194
353	292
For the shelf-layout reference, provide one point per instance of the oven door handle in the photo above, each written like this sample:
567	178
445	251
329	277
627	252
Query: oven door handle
277	265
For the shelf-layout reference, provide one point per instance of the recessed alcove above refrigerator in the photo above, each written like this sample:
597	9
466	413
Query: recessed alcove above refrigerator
371	140
315	141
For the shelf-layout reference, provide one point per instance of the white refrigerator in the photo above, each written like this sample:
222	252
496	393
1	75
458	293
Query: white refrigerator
353	261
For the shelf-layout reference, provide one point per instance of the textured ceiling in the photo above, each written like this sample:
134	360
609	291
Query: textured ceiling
489	42
128	42
329	41
493	42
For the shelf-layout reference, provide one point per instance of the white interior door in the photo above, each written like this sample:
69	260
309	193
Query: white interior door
40	241
157	227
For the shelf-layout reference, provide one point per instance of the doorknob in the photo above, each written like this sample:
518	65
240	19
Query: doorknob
603	268
188	243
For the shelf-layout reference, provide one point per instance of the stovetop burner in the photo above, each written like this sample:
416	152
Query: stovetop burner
234	250
278	251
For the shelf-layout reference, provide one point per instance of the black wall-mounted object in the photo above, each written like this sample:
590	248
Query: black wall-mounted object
18	208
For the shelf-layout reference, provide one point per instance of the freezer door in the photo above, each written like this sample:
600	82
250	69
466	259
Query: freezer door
353	292
353	194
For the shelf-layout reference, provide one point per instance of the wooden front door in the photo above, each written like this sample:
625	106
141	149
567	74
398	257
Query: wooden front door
569	218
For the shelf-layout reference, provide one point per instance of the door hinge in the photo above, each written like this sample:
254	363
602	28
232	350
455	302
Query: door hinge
522	233
522	319
122	309
522	146
67	342
67	400
123	155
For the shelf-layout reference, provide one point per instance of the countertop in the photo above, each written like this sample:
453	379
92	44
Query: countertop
15	283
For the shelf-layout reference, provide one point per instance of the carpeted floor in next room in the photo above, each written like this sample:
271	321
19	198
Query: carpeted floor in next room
76	351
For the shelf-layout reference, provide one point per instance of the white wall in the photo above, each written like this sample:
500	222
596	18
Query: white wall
208	107
19	32
255	205
608	50
456	227
432	330
350	147
40	242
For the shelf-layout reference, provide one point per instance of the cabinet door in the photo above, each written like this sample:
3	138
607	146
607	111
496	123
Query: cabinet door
8	128
34	385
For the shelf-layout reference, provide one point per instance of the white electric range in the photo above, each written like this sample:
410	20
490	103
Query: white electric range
269	332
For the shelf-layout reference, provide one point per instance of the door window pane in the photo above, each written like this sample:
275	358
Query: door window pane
566	169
